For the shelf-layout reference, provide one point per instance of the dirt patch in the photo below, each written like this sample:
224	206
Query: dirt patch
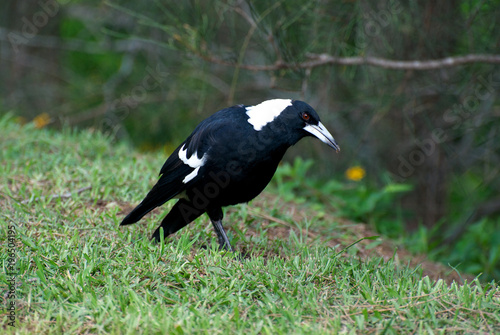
348	233
124	207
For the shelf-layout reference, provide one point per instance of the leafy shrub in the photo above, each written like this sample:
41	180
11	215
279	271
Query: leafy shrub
357	201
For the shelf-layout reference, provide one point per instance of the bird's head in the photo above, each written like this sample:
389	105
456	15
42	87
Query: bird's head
309	121
293	118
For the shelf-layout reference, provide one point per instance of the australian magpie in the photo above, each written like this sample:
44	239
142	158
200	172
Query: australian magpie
228	159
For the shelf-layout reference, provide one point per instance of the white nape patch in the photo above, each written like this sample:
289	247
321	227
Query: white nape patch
193	162
265	112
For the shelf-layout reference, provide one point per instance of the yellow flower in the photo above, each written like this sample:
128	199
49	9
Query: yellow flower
41	120
355	173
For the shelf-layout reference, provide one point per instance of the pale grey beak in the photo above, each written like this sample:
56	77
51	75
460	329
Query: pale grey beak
322	134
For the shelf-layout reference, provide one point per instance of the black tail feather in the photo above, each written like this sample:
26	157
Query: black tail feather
179	216
168	186
136	214
164	190
152	200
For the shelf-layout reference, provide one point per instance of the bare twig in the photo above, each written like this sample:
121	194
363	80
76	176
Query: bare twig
325	59
317	60
66	195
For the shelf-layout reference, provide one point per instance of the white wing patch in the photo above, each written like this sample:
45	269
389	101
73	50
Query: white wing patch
265	112
193	161
190	176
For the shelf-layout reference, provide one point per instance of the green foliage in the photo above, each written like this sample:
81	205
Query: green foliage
483	29
358	201
478	250
468	191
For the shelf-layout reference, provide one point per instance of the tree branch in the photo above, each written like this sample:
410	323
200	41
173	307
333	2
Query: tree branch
317	60
432	64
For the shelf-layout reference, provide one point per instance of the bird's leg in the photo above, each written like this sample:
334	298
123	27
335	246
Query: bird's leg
221	235
216	215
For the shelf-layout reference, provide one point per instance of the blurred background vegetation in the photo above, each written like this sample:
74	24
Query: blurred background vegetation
420	153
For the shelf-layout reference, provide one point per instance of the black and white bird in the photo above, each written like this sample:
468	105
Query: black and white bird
228	159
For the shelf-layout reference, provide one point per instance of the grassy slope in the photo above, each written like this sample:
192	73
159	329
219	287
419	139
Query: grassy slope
78	272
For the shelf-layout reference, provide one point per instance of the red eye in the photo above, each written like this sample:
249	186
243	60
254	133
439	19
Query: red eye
306	116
